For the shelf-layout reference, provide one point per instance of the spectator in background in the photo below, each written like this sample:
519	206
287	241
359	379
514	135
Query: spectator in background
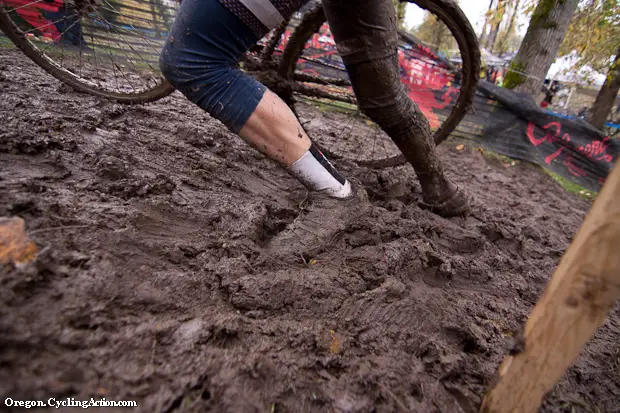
499	80
68	23
550	93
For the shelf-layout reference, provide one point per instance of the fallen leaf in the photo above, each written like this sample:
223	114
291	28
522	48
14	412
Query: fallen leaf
312	261
334	346
15	245
460	147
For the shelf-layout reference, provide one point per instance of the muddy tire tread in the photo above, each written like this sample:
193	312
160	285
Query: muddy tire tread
9	28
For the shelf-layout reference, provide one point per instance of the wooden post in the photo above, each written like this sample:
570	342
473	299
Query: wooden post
576	302
570	96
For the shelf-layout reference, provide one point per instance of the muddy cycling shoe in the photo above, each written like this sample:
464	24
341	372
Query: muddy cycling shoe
454	203
322	219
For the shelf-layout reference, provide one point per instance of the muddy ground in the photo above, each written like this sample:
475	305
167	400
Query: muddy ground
152	284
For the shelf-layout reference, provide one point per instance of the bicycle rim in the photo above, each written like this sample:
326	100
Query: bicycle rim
323	82
107	48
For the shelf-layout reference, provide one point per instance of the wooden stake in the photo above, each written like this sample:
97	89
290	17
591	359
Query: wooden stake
576	302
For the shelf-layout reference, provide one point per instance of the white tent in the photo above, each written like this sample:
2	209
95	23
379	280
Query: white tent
564	70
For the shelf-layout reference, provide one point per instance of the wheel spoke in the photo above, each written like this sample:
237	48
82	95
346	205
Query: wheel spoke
131	47
137	18
97	76
132	27
114	64
25	5
45	25
60	36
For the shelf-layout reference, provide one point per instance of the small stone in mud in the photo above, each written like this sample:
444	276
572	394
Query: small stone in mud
531	232
112	168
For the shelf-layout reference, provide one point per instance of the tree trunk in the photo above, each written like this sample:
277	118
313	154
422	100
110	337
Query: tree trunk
492	37
540	46
440	32
484	36
511	24
400	12
606	96
497	22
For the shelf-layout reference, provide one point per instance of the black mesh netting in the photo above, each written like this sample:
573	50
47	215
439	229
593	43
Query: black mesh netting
512	124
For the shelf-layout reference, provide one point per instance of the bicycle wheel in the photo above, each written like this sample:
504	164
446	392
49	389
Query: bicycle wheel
106	48
442	90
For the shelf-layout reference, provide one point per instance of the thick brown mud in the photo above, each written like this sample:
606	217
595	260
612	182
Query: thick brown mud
152	284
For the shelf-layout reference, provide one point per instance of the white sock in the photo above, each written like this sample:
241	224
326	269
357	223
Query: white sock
316	173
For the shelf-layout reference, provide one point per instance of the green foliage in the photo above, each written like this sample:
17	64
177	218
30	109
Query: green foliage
495	17
594	33
573	188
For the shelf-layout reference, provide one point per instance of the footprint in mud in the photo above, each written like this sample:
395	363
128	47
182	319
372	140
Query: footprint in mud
275	221
22	168
457	273
322	291
453	238
438	272
470	339
503	239
162	220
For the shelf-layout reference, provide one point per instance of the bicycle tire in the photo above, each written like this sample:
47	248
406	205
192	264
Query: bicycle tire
15	34
451	15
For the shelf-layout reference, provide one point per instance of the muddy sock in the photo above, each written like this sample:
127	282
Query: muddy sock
316	173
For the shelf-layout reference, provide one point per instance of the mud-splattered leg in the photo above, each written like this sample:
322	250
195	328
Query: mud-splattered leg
367	40
200	58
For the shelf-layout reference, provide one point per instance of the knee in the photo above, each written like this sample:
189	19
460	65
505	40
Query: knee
190	73
215	85
168	64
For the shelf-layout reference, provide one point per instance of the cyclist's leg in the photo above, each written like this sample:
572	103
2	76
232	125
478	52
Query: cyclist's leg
367	39
200	59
